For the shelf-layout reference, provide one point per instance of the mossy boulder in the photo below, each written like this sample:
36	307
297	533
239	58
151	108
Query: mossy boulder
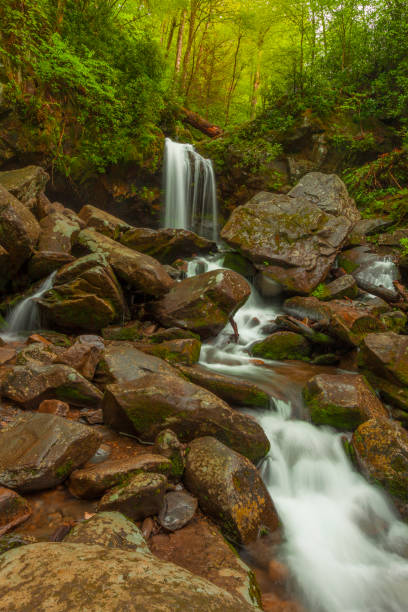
343	401
344	286
102	221
14	540
381	448
204	303
39	451
138	497
229	490
131	331
25	184
86	296
282	345
185	351
290	239
168	445
155	402
66	577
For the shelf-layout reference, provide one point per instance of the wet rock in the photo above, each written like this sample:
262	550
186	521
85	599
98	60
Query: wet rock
131	331
25	184
143	273
232	390
172	333
344	286
329	193
140	496
39	451
368	227
155	402
343	401
44	576
288	323
18	236
229	489
111	530
103	222
83	357
381	448
166	245
92	481
395	320
200	548
282	345
373	273
86	295
123	362
179	507
14	509
54	407
7	355
290	239
185	351
204	303
14	540
347	321
43	263
29	385
393	238
168	445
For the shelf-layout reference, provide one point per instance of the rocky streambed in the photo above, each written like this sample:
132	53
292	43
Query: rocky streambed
164	406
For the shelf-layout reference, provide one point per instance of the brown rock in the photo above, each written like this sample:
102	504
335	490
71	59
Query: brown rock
25	184
103	222
14	509
179	507
7	355
82	357
54	407
141	496
186	351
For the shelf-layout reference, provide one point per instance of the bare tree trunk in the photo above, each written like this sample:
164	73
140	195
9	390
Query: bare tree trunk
179	51
170	36
256	86
190	40
232	86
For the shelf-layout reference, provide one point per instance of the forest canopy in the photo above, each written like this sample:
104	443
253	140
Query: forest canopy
101	77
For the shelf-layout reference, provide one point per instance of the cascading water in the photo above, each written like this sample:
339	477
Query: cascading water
26	315
344	544
190	188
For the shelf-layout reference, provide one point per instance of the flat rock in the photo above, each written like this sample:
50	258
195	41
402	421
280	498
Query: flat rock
290	239
93	480
138	497
343	401
204	303
65	577
179	507
229	489
41	450
158	401
14	510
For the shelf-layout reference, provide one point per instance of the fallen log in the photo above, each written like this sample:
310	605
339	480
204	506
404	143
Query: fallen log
201	124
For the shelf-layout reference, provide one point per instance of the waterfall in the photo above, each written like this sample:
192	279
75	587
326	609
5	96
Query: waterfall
26	315
190	188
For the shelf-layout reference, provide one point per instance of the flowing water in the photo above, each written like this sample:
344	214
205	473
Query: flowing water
25	317
190	189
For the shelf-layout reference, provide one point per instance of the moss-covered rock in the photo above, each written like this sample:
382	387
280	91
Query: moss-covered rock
186	351
25	184
103	222
138	497
168	445
343	401
344	286
282	345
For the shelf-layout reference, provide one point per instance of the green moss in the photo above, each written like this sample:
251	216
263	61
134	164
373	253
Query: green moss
283	345
321	292
64	470
326	413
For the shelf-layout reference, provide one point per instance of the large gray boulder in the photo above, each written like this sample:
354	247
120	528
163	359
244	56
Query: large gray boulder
25	184
290	239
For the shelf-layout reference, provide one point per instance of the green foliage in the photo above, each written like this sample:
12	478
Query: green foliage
404	246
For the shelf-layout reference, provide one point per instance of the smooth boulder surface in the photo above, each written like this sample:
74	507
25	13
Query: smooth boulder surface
229	489
343	401
204	303
14	510
31	384
102	221
25	184
282	345
86	296
63	577
292	240
155	402
143	273
39	451
166	245
184	351
109	529
93	480
138	497
179	507
381	448
344	286
374	273
329	193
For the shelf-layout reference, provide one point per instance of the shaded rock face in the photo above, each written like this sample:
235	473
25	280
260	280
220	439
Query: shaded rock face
229	489
102	221
143	273
111	530
68	577
25	184
158	401
200	548
139	497
282	345
92	481
166	245
19	233
232	390
342	287
14	510
179	507
29	385
329	193
290	239
381	448
86	296
40	450
344	401
204	303
168	445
